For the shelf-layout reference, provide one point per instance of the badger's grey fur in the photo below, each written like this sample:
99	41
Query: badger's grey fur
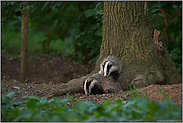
99	84
110	67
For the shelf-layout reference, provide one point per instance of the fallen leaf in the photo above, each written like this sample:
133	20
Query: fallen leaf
16	87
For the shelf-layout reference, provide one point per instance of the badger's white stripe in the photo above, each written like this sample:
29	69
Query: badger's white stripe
92	85
105	68
113	68
85	86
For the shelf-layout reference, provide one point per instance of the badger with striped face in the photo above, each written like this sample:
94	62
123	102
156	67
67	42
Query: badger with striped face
99	84
93	85
110	67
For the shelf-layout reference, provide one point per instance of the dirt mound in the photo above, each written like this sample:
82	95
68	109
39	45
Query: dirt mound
47	73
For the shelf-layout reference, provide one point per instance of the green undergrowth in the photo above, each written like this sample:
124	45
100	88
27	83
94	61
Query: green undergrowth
36	109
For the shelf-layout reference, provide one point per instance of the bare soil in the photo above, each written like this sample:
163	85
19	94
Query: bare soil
47	73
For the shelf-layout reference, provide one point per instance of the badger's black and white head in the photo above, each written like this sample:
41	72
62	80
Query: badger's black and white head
92	86
110	67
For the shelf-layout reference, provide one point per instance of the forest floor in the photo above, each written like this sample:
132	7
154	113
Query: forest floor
48	72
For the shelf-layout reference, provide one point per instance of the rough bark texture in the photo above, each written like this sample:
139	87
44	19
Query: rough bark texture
128	36
24	49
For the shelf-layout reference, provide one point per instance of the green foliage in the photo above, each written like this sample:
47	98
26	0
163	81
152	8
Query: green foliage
174	42
10	42
176	55
86	38
58	28
10	8
78	38
136	93
56	110
74	29
2	87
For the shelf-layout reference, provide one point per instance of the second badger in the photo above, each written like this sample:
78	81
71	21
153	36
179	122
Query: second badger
110	67
99	84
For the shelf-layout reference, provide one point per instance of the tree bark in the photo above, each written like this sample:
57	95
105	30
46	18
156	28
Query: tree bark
24	48
128	36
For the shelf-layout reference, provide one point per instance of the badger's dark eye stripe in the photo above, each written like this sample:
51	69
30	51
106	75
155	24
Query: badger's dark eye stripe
108	67
88	83
87	86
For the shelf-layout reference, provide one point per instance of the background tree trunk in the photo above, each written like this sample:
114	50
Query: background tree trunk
128	36
24	48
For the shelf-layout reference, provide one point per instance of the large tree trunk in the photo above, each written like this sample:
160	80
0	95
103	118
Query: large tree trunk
128	36
24	48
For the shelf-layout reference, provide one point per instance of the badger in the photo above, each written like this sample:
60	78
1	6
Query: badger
110	67
99	84
93	85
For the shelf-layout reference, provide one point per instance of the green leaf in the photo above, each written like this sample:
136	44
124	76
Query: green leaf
164	94
90	12
128	104
45	5
51	100
155	10
32	104
25	115
31	97
58	109
142	103
107	102
10	94
19	103
98	5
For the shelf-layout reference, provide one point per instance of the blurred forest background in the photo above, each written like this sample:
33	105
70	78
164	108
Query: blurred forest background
74	29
